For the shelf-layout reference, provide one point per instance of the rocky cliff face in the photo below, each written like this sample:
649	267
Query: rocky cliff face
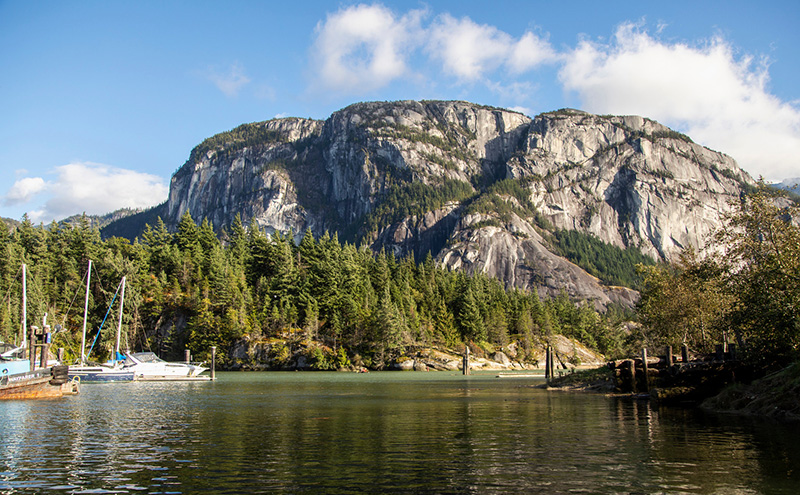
627	180
477	187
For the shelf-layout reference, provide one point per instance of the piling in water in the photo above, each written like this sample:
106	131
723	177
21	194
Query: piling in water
646	386
213	361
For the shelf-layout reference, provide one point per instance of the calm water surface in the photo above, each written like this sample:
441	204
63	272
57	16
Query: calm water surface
381	433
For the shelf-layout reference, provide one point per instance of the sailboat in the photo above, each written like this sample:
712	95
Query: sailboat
106	372
20	377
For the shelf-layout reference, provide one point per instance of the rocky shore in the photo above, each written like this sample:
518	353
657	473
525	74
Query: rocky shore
776	396
716	387
288	353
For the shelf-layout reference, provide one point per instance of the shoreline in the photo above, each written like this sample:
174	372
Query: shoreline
773	397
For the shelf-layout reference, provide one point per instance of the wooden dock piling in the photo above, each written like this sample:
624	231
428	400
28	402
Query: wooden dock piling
549	365
213	361
646	387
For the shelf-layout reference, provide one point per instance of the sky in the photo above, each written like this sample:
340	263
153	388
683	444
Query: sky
102	101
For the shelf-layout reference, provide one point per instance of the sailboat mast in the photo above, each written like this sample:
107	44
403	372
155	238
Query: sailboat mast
119	326
85	314
22	333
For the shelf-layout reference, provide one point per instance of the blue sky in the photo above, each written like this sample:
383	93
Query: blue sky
101	101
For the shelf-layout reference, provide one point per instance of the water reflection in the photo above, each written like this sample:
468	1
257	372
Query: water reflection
389	433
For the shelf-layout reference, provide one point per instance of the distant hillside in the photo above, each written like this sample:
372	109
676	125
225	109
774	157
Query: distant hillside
788	184
482	189
791	187
132	225
10	222
100	221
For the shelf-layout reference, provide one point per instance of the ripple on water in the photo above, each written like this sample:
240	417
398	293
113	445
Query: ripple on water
340	433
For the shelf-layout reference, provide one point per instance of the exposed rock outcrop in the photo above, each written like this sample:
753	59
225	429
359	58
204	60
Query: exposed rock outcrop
477	187
292	354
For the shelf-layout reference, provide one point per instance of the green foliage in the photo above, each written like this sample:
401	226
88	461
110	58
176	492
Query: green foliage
406	199
609	263
684	303
501	199
189	289
670	134
761	270
664	174
452	143
746	289
238	138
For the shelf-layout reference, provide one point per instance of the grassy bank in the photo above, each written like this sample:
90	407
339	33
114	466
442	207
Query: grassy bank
776	396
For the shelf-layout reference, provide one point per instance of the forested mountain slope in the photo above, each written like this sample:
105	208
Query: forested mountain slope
484	190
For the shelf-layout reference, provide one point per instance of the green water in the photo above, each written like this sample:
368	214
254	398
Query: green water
412	432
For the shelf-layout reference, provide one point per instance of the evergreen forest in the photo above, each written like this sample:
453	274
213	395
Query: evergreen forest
341	304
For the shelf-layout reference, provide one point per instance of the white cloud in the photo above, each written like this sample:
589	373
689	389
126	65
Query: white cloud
23	190
364	47
718	99
469	51
709	91
95	189
228	81
530	52
522	110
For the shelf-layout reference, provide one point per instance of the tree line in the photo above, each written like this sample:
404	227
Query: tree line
744	288
194	289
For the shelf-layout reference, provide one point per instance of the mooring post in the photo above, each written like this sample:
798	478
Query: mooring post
685	353
213	361
668	352
547	363
45	353
187	356
644	368
32	346
552	363
465	365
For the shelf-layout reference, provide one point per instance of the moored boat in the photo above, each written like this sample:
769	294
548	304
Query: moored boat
20	377
89	372
17	381
148	366
100	373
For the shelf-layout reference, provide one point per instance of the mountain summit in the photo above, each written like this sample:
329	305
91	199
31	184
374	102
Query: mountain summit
481	189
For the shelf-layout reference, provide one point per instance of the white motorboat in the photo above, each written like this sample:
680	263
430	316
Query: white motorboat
148	366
